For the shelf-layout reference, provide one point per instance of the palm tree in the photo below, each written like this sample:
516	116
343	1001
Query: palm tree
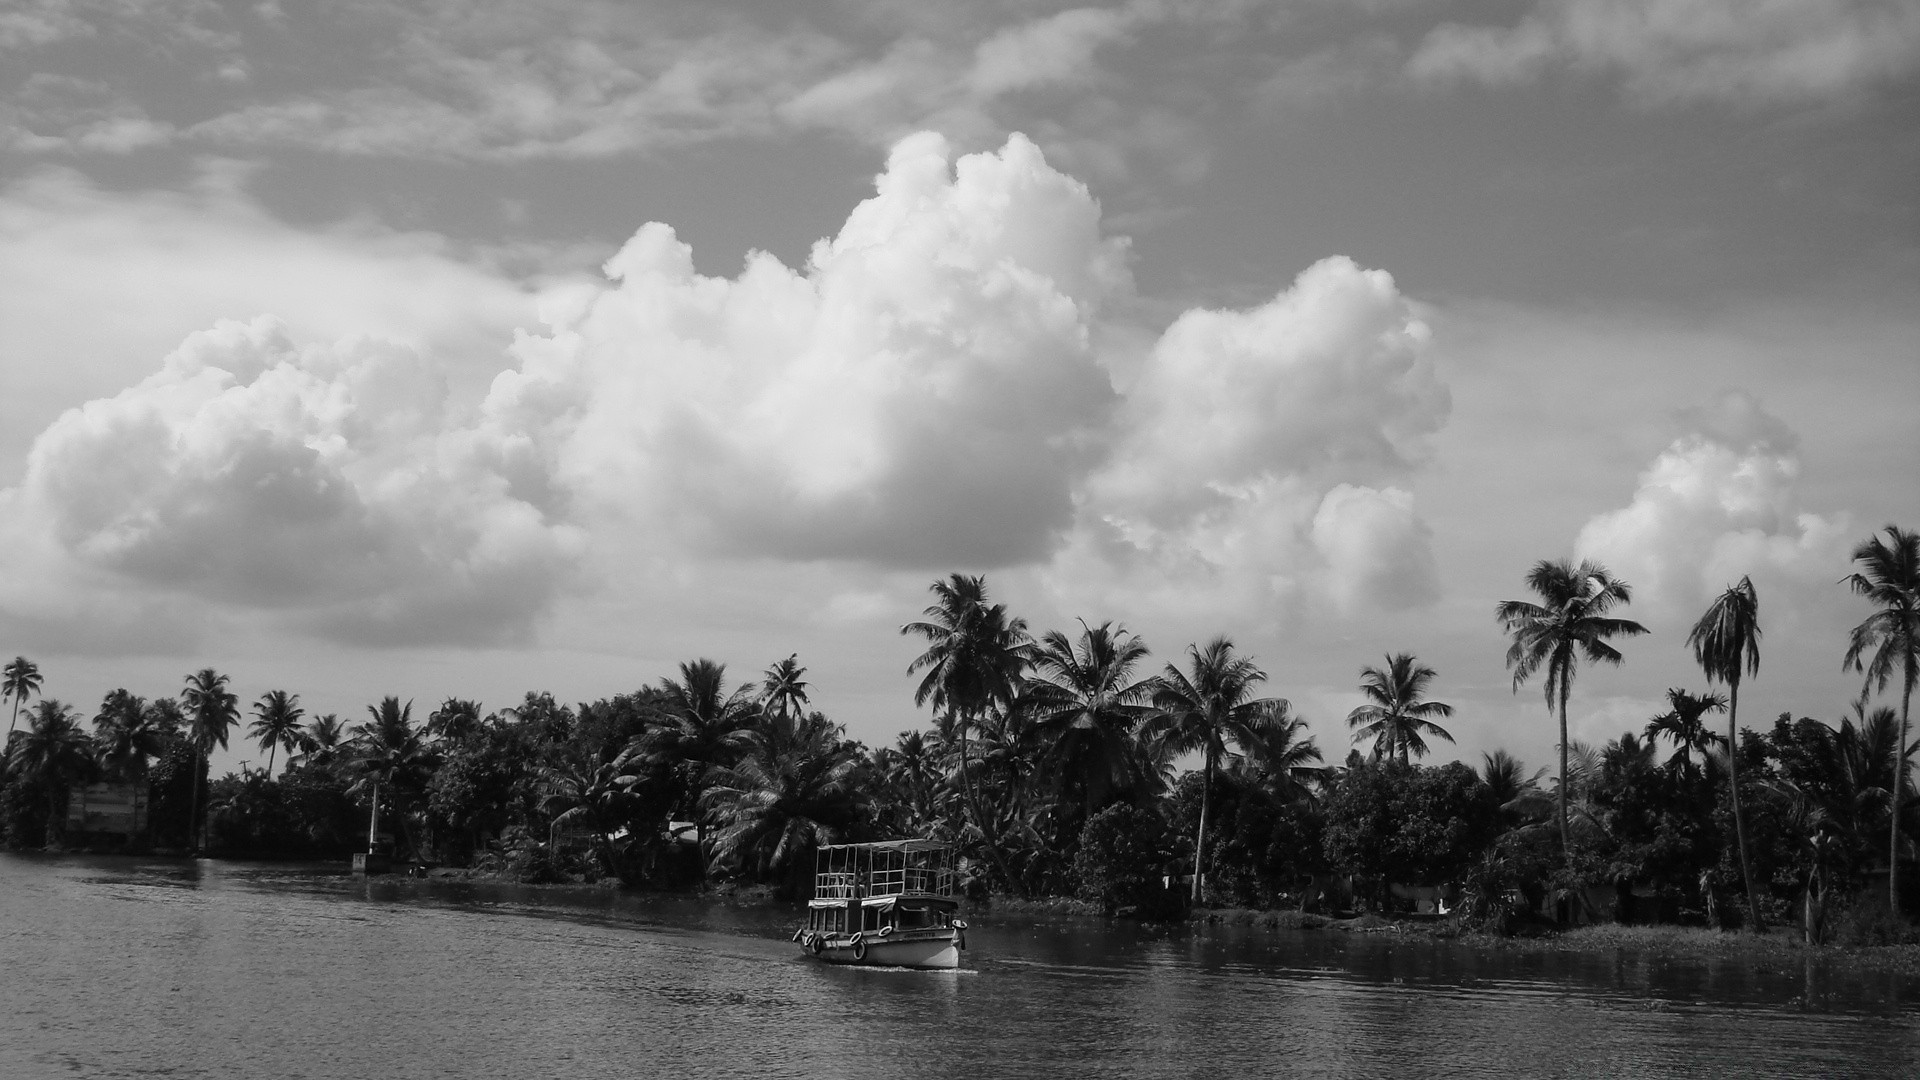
127	731
389	752
19	680
278	725
975	657
321	741
1570	621
1200	709
1685	723
789	791
698	731
783	693
1087	705
1889	575
454	720
1397	718
212	710
1726	642
1279	760
54	752
599	798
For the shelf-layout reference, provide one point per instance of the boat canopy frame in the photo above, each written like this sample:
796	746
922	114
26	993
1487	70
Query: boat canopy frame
892	868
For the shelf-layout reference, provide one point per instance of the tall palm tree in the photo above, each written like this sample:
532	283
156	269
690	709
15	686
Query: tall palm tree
1280	760
1726	642
1569	622
1397	718
1685	723
1202	708
1087	705
19	680
212	710
278	725
55	752
320	742
389	752
454	720
976	655
1889	576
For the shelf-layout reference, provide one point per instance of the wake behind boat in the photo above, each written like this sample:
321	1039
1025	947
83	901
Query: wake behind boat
889	904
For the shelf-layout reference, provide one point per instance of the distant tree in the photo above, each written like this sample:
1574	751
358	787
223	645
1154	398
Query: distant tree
1684	723
1726	642
599	799
1201	709
390	753
784	795
1889	639
19	680
783	690
212	710
975	659
1570	621
455	719
278	725
697	732
127	734
1396	717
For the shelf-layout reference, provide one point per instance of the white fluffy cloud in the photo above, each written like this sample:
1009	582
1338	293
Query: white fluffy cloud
1259	455
1684	50
925	391
319	483
1721	502
934	389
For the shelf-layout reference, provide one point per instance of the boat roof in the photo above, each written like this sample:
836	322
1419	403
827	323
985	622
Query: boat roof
890	845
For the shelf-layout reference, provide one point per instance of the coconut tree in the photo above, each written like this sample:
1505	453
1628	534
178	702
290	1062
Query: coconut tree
54	752
598	798
1282	759
975	658
1201	709
1685	723
1726	642
19	680
278	725
1395	718
697	732
790	789
1889	639
783	690
212	710
390	753
454	720
1087	705
127	732
1569	622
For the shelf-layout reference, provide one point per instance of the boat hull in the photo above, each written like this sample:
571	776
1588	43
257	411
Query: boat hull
935	953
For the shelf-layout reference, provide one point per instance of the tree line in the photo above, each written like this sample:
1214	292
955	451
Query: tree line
1061	764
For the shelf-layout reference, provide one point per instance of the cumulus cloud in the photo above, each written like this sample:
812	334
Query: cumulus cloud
1259	454
317	482
1722	501
924	391
1689	50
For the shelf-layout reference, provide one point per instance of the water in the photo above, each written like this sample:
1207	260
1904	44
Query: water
129	968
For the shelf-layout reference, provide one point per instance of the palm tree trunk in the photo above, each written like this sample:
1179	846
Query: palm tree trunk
15	720
1566	835
271	750
1899	788
1200	839
373	818
973	807
1733	791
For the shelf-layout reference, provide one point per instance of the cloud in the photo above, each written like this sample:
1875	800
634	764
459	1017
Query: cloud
1258	452
924	392
1722	501
1667	51
321	483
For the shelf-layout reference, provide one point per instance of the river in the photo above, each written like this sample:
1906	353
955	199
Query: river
116	967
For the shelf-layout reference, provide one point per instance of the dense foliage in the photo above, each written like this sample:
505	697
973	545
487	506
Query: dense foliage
1059	765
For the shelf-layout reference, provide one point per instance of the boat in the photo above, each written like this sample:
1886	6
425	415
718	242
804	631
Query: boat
889	904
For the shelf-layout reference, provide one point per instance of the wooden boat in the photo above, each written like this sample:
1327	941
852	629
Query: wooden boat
889	904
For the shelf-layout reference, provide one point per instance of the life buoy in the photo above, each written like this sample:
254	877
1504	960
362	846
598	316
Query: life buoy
816	944
859	945
885	930
798	934
960	934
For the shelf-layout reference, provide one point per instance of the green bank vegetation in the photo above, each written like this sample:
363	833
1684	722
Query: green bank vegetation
1071	764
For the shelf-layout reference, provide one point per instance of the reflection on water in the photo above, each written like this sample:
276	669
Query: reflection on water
112	967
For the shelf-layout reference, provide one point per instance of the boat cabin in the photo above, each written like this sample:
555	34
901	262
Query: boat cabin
894	885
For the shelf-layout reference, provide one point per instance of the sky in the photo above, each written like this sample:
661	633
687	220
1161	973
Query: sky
472	349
